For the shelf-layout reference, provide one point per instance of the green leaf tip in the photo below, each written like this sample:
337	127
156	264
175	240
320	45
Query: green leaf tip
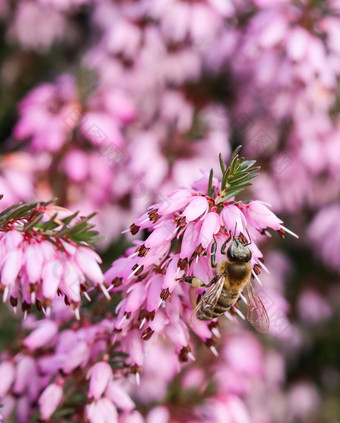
33	215
236	176
210	188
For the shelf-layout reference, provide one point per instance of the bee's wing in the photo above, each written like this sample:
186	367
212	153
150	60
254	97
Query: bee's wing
256	313
211	297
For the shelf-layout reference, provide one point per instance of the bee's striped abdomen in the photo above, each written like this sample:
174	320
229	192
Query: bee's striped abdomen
225	301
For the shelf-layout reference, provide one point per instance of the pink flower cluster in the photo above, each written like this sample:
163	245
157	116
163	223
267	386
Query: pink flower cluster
144	95
41	373
289	66
39	265
155	303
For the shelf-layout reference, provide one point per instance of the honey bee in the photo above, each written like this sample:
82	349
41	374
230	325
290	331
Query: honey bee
233	276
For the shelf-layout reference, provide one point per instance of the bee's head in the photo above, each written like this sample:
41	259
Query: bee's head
238	252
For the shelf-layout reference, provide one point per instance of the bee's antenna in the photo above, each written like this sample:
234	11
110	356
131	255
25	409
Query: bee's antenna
250	241
235	231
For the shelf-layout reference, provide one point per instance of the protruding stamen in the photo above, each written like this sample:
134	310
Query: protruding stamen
135	271
289	232
77	314
25	314
137	378
86	295
33	297
15	309
229	316
5	294
239	312
264	267
191	356
244	299
160	303
123	320
163	264
214	351
48	311
256	277
107	295
216	332
142	323
144	221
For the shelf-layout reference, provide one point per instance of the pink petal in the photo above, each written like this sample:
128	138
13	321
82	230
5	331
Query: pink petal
71	281
100	375
164	232
34	261
94	414
89	266
158	323
259	216
232	218
13	239
196	208
108	410
155	254
52	273
190	239
274	31
201	269
49	400
135	298
210	227
172	273
135	347
175	201
154	290
238	410
225	7
132	417
43	335
12	266
178	334
7	375
76	165
25	374
47	250
158	415
297	43
117	394
77	356
201	329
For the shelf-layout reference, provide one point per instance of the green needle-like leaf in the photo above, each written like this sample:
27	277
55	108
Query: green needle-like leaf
210	189
67	220
50	224
236	176
31	215
33	222
221	163
22	211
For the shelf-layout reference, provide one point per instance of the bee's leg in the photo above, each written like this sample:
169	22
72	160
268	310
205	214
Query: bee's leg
198	282
213	254
195	282
224	245
213	280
